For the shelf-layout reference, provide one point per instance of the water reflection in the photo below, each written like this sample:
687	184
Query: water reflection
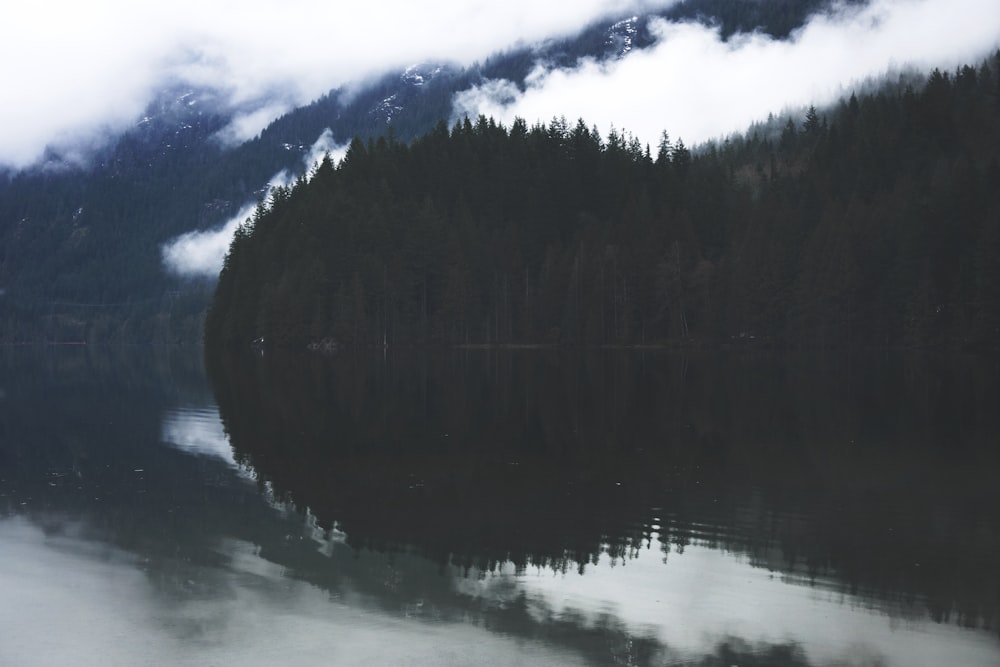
197	431
75	602
708	597
441	510
873	479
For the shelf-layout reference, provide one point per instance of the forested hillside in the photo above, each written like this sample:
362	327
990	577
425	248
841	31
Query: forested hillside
80	243
874	223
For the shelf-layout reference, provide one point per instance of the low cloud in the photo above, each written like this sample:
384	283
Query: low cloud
200	254
698	87
91	68
325	145
246	126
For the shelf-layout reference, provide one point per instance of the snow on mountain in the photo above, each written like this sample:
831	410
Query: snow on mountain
387	108
621	36
410	82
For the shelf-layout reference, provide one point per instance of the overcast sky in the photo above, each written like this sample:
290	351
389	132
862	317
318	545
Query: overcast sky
72	71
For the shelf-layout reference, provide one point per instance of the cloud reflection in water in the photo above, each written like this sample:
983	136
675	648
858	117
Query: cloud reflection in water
69	601
705	597
198	431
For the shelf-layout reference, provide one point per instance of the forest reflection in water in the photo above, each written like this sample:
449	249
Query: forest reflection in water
440	509
871	475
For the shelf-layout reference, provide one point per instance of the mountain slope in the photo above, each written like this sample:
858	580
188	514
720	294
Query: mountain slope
877	224
80	246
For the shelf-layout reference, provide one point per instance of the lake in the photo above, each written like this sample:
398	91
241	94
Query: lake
498	507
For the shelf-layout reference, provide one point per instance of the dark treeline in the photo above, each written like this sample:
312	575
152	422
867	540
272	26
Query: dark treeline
69	230
876	222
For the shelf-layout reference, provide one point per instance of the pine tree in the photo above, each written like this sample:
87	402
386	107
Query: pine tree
811	126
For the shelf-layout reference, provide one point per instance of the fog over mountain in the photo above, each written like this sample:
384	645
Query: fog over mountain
699	87
201	253
88	76
90	73
136	139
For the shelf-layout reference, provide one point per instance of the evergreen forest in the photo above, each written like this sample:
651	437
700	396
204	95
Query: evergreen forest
73	225
872	223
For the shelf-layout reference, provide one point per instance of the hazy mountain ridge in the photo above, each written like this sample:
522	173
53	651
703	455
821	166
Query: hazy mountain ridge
69	232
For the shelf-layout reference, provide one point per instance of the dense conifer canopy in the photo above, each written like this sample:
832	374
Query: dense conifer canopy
876	222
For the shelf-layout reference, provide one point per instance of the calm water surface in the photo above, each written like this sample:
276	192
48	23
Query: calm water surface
498	508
